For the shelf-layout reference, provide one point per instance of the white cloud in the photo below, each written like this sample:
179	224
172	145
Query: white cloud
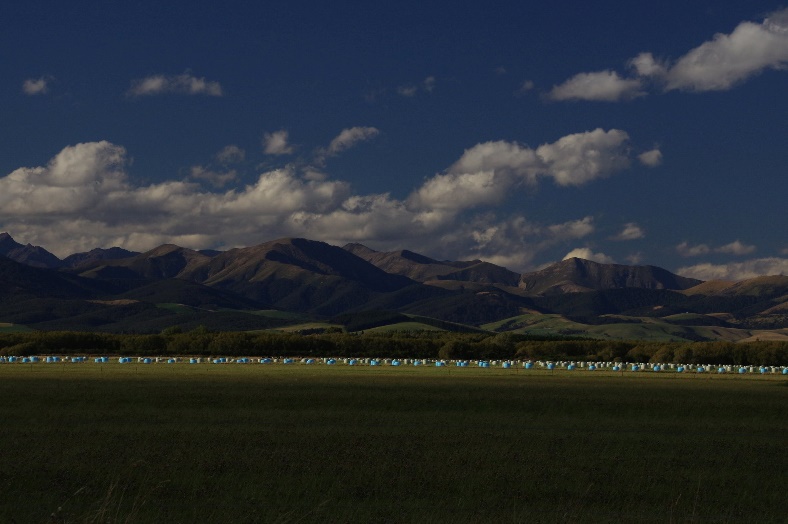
525	87
350	137
603	86
457	191
313	173
582	157
718	64
231	154
572	230
727	59
500	156
686	250
87	184
646	65
276	143
738	270
734	248
652	158
586	254
186	84
217	179
486	173
85	198
631	231
513	242
36	86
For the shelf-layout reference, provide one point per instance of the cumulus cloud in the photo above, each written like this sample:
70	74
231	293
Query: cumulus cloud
631	231
185	84
686	250
645	65
728	59
512	242
487	172
738	270
734	248
525	87
718	64
84	197
572	230
89	181
652	158
587	254
603	86
582	157
348	138
215	178
458	191
276	143
36	86
231	154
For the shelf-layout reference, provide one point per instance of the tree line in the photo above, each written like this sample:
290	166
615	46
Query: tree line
438	345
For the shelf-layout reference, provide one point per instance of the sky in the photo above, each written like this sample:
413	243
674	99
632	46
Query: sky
520	133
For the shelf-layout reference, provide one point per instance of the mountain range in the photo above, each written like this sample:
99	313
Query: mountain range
296	281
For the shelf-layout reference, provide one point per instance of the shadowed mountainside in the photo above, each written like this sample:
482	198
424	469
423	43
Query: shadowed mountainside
576	275
30	255
424	269
114	289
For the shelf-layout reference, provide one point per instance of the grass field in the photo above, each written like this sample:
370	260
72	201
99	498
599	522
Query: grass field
13	328
253	443
646	329
403	326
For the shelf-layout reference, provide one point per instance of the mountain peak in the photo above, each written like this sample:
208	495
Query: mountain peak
577	275
7	243
96	255
31	255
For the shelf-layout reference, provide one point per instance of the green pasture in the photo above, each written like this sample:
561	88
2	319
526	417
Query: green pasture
13	328
306	326
403	326
275	443
645	329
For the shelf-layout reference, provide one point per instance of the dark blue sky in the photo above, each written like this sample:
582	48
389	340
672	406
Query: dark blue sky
509	132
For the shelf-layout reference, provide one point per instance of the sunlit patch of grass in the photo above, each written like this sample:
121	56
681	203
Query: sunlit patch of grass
13	328
306	326
403	326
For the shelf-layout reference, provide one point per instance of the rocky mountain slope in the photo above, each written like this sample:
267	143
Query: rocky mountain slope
304	276
576	275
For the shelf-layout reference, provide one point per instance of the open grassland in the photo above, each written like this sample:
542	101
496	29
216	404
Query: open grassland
633	328
556	325
403	326
13	328
275	443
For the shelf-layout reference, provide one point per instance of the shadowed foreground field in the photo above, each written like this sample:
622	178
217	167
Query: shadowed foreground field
243	443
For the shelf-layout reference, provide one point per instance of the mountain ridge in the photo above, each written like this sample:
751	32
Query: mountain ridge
308	277
580	275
